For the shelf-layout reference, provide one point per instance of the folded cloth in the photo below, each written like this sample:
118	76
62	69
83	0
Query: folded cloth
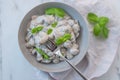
101	52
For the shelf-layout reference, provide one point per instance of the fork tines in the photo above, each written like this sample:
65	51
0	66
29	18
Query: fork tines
51	45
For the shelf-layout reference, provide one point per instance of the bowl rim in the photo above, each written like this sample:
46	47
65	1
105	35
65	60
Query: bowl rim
59	70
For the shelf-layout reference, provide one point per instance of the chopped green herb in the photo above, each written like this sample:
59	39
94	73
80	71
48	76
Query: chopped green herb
63	39
100	24
55	11
54	24
49	31
40	51
37	29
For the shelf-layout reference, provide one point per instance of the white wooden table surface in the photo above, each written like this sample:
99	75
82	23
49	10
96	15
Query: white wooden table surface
13	66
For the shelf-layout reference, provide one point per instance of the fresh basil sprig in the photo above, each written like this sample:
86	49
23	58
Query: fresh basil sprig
37	29
40	51
63	39
100	24
55	11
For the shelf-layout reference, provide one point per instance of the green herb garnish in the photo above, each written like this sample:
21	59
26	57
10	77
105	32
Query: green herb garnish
63	39
54	24
103	21
105	31
100	24
92	18
37	29
40	51
49	31
97	30
55	11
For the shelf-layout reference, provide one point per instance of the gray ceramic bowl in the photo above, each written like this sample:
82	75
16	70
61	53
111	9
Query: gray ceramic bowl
83	41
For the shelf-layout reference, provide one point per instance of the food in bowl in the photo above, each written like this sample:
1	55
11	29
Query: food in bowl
55	25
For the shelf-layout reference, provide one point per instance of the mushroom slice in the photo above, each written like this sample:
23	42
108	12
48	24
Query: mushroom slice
52	57
39	57
49	19
41	37
67	44
73	38
50	53
34	17
75	45
33	52
56	60
46	61
74	51
67	17
69	56
71	22
76	28
30	43
28	36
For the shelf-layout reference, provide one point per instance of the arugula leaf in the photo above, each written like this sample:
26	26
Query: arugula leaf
105	32
55	11
54	24
49	31
63	39
40	51
103	21
97	30
92	18
37	29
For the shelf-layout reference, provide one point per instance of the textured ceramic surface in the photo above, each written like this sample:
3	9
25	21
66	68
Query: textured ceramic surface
62	66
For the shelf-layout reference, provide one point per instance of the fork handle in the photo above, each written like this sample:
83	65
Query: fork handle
76	69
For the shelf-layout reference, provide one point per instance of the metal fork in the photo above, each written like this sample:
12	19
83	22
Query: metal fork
51	45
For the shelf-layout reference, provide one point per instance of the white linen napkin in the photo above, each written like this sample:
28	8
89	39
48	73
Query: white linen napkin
101	52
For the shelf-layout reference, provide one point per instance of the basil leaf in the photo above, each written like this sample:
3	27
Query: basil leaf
55	11
37	29
54	24
59	41
97	30
40	51
92	18
49	31
50	11
103	21
66	37
105	32
63	39
60	12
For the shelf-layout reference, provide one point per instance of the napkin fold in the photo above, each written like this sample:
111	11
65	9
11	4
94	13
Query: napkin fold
101	52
